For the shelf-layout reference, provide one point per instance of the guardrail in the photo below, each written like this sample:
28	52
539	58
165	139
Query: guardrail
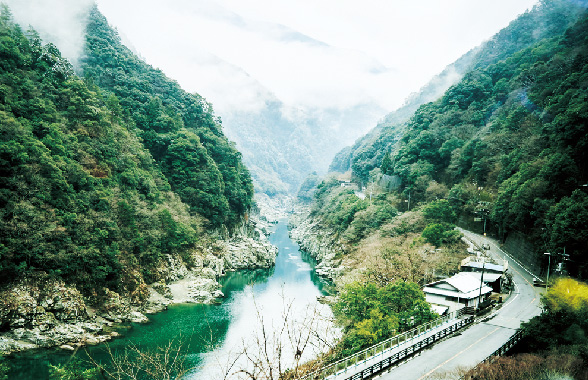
382	347
408	351
510	343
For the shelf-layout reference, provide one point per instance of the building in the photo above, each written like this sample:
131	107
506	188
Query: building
456	292
494	274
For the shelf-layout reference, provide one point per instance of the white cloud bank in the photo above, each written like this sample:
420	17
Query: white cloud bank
62	22
309	53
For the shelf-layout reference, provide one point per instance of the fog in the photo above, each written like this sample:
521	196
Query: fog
61	22
293	81
309	54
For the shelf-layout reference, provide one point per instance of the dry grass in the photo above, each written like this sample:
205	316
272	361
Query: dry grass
531	366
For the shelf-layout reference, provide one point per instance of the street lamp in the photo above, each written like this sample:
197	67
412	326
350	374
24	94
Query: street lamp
548	266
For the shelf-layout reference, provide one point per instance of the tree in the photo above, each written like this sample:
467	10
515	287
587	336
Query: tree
387	166
196	178
372	314
162	363
439	211
440	233
564	321
566	224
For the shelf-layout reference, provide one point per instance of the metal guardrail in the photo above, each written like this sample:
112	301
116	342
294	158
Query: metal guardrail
382	347
510	343
408	351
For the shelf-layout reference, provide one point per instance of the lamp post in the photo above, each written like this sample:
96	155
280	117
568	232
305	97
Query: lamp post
548	266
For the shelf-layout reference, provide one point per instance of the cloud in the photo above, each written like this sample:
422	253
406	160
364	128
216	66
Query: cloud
328	53
61	22
309	54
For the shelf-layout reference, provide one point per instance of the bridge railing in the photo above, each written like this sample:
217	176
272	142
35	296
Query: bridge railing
380	348
510	343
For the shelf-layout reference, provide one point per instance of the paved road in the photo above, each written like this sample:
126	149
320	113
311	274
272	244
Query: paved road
480	340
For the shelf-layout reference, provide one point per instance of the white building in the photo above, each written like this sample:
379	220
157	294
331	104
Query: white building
454	293
494	274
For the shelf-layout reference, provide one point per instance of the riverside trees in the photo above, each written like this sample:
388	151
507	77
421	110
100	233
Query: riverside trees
371	314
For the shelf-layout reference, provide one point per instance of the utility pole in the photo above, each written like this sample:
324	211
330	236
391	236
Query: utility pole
548	266
481	283
408	201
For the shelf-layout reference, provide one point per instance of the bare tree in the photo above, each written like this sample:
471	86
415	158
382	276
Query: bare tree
277	351
162	363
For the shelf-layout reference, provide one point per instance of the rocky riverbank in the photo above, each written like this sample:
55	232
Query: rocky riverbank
42	313
318	242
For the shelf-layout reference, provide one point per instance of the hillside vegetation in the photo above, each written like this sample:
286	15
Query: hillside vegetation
507	142
554	344
102	176
546	19
179	129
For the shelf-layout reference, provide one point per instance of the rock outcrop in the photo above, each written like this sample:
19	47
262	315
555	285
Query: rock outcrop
45	313
323	246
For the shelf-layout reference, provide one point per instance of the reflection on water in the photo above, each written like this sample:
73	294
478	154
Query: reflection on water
290	292
213	335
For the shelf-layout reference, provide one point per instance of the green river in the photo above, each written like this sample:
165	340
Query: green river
212	335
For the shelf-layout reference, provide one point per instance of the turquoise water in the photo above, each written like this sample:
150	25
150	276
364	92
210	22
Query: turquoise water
212	335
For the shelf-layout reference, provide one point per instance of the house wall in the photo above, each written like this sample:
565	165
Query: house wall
441	300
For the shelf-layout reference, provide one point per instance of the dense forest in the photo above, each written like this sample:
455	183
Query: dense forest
179	129
105	173
546	19
508	141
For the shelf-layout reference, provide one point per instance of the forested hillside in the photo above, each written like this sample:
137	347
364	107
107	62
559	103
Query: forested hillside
507	144
510	134
514	135
547	19
98	185
179	129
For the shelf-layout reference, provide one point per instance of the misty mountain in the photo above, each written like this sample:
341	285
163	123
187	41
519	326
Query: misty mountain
281	145
506	144
105	175
546	19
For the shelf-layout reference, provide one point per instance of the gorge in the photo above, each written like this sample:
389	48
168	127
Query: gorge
213	335
122	194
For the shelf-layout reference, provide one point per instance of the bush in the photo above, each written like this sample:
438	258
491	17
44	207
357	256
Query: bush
440	233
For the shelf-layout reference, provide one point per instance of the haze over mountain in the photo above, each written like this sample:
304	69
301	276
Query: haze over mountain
294	82
546	19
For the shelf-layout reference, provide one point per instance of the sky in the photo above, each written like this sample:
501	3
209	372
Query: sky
307	53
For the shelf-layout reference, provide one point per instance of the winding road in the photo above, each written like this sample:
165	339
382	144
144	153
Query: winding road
465	350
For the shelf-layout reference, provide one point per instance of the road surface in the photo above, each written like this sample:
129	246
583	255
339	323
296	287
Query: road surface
465	350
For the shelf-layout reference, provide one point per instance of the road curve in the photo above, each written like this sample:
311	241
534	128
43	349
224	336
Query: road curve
474	344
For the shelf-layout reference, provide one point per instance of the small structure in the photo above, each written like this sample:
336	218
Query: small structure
456	292
494	274
390	182
345	181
